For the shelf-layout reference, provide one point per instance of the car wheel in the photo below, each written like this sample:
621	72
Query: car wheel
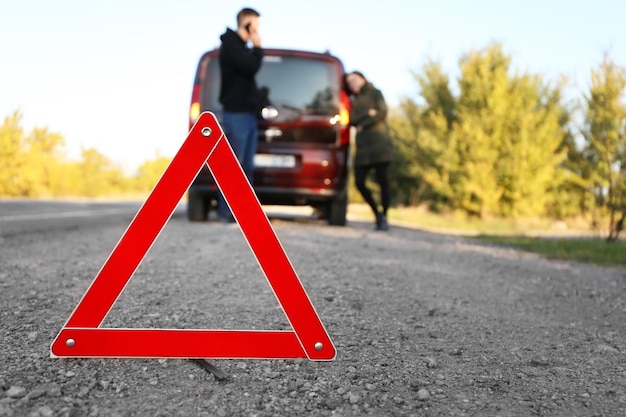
337	210
197	210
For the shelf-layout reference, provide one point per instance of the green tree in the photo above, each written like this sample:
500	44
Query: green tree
43	167
496	148
476	134
425	158
98	175
11	155
150	172
404	172
605	134
29	164
569	194
35	165
510	136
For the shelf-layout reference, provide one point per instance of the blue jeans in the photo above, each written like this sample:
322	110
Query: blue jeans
241	130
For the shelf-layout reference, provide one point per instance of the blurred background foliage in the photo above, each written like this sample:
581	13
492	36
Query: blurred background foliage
35	165
495	143
500	143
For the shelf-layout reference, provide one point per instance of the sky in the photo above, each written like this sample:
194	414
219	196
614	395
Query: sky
117	75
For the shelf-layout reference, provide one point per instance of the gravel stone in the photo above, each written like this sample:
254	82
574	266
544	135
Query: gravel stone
353	398
34	394
606	349
43	411
5	411
430	362
425	324
16	392
423	394
54	390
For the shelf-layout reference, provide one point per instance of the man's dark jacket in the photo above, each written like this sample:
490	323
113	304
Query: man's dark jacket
239	65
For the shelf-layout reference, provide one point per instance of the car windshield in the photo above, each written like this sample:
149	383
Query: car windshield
298	85
304	85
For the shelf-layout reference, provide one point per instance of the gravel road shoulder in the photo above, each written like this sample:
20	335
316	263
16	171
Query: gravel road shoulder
424	325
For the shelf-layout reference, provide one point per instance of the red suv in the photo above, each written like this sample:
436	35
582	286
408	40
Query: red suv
304	134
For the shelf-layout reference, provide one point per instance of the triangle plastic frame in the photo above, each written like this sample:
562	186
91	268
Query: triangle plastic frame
82	335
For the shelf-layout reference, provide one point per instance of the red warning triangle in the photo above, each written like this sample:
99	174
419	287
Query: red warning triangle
82	335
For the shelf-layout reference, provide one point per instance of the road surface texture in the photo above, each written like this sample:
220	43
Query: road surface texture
424	324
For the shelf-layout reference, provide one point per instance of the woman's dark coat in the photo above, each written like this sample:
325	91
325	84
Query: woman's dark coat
373	145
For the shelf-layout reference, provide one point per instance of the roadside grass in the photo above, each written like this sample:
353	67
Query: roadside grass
458	224
592	250
468	226
554	240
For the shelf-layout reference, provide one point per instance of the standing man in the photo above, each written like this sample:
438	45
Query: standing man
239	94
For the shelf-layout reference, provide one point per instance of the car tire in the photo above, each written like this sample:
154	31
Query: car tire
337	210
197	207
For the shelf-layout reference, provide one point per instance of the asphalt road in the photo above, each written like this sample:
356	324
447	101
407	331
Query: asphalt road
28	216
424	324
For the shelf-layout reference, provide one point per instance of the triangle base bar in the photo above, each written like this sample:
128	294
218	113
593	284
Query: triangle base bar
174	343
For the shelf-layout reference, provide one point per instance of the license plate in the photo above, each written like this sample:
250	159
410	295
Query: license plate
274	161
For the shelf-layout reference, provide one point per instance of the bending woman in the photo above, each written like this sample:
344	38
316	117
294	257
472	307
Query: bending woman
373	144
